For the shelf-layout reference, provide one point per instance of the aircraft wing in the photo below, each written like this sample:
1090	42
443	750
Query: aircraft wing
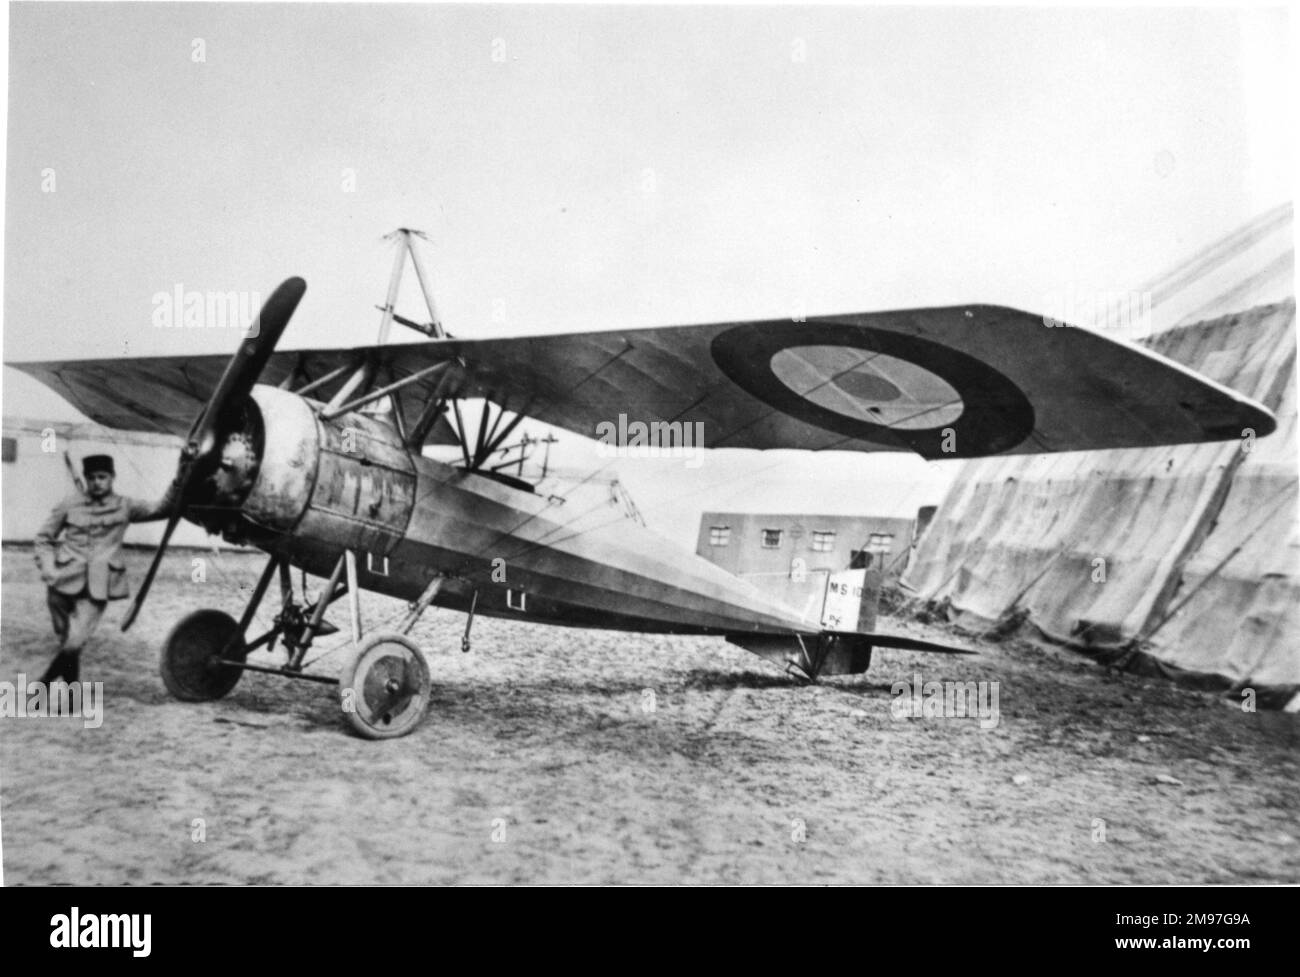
956	382
162	394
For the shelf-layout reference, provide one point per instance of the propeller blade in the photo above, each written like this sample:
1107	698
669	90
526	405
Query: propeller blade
153	568
236	383
246	366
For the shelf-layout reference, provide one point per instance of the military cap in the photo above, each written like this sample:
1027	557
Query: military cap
97	463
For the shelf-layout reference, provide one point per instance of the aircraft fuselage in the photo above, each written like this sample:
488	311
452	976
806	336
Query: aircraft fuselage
324	487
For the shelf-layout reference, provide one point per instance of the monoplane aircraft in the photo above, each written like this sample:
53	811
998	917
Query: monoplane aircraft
290	452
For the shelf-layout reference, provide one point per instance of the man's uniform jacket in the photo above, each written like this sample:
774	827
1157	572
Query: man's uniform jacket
90	554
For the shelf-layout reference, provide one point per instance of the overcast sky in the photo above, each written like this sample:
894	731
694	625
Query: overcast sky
599	167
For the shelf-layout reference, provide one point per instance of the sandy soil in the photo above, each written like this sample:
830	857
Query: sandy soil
539	762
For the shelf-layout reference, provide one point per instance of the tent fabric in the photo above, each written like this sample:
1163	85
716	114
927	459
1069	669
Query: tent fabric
1182	561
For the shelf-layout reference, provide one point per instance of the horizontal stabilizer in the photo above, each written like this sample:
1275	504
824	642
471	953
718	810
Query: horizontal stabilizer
912	644
832	652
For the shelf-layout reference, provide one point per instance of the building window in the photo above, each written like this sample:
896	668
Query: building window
10	449
880	542
771	539
823	542
719	535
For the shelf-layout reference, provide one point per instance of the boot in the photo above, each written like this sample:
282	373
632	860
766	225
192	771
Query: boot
72	668
57	669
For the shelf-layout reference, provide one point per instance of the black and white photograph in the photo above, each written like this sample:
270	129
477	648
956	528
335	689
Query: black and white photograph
635	445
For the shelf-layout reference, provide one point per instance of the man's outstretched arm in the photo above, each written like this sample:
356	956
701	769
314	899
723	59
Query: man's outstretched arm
144	510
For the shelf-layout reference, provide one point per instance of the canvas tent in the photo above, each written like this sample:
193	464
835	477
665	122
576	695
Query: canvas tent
1182	561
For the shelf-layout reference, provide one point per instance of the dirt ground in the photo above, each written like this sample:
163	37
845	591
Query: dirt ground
543	761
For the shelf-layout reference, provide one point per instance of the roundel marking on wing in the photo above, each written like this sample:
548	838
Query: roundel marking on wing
877	385
873	387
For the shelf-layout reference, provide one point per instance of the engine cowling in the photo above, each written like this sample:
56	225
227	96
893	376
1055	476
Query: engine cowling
349	481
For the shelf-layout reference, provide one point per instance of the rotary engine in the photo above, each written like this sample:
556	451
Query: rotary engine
280	469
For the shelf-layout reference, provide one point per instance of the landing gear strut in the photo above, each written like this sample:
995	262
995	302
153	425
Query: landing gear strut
384	686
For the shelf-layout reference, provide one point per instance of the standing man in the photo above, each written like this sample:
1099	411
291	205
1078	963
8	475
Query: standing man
84	570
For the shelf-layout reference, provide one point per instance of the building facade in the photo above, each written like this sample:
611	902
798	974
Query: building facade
41	457
791	556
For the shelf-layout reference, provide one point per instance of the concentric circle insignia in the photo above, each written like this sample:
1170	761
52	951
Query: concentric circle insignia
872	387
886	387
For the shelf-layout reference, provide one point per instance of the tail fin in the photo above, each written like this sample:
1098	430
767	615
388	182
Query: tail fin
850	603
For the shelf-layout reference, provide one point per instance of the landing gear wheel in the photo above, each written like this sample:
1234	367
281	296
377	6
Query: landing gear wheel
384	686
189	665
